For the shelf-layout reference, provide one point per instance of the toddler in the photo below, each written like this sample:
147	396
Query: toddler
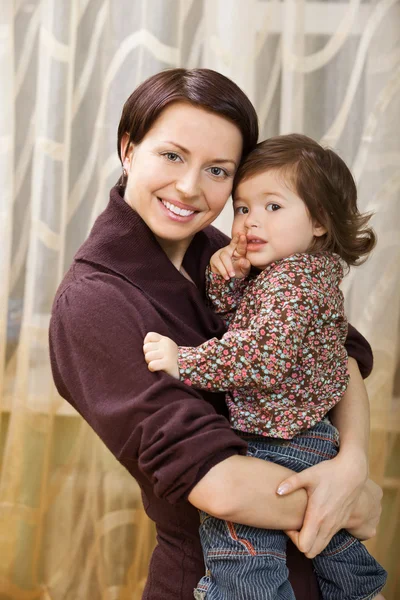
282	362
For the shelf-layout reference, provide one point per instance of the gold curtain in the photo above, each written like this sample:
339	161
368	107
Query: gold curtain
71	522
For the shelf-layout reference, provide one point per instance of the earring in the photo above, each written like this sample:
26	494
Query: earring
124	177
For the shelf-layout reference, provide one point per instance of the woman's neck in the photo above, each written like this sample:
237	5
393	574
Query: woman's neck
175	250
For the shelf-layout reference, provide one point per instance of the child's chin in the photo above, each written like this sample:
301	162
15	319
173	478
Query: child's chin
260	265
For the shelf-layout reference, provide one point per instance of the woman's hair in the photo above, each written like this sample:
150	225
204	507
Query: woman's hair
204	88
325	184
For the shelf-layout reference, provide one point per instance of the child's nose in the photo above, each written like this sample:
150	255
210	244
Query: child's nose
251	221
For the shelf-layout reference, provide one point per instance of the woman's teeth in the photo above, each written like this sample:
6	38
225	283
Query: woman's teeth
177	211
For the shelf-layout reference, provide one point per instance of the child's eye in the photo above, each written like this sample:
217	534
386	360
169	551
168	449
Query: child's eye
272	207
218	172
171	156
241	210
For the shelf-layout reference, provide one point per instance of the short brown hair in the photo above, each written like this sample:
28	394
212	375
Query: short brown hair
325	184
204	88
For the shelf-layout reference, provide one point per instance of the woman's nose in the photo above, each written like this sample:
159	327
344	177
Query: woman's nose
188	184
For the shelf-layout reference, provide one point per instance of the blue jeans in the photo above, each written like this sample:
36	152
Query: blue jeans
246	563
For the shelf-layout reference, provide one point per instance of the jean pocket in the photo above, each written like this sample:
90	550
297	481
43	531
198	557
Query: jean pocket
200	592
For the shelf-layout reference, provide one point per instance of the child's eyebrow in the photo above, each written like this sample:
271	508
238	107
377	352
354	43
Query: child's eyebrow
274	194
263	195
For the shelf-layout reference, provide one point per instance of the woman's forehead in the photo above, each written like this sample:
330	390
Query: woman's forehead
196	129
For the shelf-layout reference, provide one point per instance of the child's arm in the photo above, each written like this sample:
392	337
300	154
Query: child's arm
258	356
161	353
226	277
224	296
261	355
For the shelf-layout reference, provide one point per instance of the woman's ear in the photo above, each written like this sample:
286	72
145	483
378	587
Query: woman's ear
126	151
318	229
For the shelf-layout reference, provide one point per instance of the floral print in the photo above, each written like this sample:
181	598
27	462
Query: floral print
283	360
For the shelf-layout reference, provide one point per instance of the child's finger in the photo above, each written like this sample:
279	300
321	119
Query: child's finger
150	346
152	336
234	241
219	267
156	365
153	355
226	260
244	266
241	246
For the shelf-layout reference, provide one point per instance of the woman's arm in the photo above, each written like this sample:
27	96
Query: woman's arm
351	416
153	424
241	489
340	495
158	428
334	487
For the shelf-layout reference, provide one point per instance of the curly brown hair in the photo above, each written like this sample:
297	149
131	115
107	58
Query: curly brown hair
325	184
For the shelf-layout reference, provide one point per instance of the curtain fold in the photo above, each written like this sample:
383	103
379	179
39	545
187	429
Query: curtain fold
71	522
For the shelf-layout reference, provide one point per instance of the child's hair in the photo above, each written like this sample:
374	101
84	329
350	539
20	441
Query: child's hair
324	183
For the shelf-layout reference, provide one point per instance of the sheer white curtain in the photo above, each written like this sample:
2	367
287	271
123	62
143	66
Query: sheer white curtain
71	526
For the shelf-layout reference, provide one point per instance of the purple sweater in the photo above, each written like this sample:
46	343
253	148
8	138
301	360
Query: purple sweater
120	286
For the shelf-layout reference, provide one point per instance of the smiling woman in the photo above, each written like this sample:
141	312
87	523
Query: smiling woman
181	137
181	174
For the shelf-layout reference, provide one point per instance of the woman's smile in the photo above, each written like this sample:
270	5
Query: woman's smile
177	211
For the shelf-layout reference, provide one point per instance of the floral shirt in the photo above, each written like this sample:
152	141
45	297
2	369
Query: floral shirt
282	360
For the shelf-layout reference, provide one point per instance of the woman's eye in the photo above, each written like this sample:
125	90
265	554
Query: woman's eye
241	210
172	156
218	172
272	207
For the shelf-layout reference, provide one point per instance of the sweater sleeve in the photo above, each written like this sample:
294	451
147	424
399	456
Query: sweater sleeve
168	430
224	296
358	348
261	354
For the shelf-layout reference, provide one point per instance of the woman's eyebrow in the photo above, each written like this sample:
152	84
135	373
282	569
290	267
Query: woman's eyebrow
186	151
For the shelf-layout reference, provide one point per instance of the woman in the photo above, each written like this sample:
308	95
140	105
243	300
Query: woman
181	137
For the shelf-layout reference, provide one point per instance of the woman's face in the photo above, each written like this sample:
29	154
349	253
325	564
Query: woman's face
180	176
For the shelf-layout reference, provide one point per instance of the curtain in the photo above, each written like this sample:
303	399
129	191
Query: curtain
71	522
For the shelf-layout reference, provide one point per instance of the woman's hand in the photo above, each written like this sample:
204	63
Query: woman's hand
231	261
365	519
161	354
333	488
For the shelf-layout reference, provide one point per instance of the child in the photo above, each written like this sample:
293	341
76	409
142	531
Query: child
282	362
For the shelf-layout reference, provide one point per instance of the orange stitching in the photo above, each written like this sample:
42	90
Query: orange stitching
312	451
246	543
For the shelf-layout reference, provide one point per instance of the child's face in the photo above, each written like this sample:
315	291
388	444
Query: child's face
273	217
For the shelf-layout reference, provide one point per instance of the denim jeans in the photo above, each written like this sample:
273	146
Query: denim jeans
246	563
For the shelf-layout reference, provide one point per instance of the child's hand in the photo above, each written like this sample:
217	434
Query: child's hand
161	354
231	261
